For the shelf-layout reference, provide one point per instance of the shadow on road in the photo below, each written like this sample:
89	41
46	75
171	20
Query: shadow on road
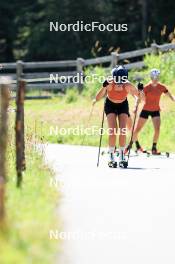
137	168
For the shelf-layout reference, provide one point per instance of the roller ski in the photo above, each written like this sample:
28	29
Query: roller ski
112	163
155	152
158	153
122	161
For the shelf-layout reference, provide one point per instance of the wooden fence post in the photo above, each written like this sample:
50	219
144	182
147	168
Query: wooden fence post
80	64
155	48
4	99
114	59
19	128
19	70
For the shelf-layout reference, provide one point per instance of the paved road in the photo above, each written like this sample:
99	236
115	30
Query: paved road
114	216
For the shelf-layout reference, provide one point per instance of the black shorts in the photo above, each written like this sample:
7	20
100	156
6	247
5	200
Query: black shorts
145	114
116	108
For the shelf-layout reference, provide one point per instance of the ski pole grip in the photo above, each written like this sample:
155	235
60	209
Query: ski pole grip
140	86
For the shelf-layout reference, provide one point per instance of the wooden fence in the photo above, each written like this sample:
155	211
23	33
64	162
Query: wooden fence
5	87
19	129
37	74
4	102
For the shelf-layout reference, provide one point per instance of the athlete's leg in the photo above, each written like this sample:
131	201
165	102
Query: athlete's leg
123	118
122	136
129	129
140	124
156	123
129	123
112	125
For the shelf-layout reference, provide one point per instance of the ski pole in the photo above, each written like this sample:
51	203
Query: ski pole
140	88
90	115
102	123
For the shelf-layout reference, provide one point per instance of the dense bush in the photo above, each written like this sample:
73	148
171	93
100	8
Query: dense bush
163	61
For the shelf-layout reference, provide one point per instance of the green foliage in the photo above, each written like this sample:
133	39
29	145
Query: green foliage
165	63
97	76
71	95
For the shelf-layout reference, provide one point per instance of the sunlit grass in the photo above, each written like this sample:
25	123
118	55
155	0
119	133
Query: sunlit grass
30	211
47	116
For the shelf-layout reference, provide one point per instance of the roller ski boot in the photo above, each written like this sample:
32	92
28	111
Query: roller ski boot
112	163
122	163
155	152
139	149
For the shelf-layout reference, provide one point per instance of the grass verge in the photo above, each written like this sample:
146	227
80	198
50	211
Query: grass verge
30	212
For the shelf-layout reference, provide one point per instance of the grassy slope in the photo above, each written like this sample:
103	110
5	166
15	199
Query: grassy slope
42	114
30	212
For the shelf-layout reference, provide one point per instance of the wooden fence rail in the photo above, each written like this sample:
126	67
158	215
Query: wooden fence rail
4	102
41	78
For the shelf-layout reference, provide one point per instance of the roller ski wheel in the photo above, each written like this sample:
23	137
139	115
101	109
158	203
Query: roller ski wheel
123	164
112	164
167	154
159	154
103	153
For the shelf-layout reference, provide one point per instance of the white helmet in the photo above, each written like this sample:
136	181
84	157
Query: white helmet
154	74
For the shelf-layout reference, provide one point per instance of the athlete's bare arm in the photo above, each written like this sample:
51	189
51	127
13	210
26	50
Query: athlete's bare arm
135	92
172	97
101	93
